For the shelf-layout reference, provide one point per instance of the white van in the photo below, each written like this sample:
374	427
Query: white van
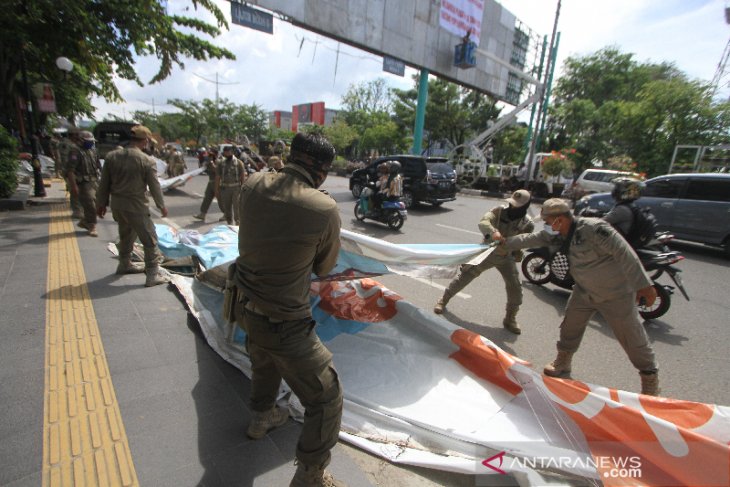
598	181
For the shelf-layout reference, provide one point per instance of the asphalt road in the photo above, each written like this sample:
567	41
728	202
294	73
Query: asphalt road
690	340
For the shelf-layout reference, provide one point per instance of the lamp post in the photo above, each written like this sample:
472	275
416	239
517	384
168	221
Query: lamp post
38	188
65	65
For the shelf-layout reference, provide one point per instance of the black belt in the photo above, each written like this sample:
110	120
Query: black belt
229	185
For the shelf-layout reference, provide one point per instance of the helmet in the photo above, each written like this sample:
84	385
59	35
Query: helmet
626	189
394	167
383	167
279	147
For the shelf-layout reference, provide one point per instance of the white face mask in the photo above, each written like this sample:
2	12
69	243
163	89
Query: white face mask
549	229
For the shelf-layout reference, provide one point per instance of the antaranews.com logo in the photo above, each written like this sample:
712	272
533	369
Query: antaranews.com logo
621	467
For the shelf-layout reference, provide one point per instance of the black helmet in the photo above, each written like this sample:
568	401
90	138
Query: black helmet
394	167
626	189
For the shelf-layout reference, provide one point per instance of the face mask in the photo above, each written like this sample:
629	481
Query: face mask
88	144
549	230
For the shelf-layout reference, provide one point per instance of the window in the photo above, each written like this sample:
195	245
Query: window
665	188
708	190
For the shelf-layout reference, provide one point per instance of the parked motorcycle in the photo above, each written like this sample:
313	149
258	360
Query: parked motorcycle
540	267
392	213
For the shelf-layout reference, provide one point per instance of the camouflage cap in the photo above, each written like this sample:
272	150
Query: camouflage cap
86	135
141	132
554	207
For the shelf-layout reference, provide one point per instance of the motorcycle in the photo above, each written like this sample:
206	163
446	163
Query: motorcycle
541	267
392	213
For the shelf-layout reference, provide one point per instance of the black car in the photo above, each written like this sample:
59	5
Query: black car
427	179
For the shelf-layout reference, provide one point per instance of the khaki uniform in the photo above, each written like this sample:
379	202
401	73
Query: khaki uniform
64	148
209	188
607	274
84	164
126	175
175	164
273	276
230	174
496	220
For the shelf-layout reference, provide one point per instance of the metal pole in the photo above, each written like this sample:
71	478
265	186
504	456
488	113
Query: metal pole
38	188
531	154
420	111
534	107
547	94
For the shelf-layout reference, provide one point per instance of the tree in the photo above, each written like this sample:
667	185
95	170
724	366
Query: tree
102	39
340	135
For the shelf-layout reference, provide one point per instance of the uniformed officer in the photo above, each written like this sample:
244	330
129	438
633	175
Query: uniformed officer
126	176
496	224
210	168
273	277
230	175
67	143
609	279
175	163
82	174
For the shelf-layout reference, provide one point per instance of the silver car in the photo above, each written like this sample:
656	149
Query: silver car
694	207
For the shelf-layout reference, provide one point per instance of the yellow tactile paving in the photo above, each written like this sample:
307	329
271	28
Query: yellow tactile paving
84	442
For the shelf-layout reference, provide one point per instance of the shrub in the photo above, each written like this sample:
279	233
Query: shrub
8	164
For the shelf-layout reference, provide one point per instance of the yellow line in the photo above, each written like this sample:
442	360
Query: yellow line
84	441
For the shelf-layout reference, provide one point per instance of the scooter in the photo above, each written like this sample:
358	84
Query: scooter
393	213
541	267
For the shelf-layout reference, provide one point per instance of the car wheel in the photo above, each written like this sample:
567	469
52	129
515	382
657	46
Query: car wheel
660	306
437	203
356	190
408	200
726	247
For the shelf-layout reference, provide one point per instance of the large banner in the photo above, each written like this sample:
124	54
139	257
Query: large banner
462	16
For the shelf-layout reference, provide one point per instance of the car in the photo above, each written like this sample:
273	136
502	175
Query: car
425	179
598	181
110	135
694	207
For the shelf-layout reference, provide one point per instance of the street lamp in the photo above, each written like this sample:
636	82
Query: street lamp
65	65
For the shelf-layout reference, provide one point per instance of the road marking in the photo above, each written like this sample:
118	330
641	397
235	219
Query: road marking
459	229
439	286
84	440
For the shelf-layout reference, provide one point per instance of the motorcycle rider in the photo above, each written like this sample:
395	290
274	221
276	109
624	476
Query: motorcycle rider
625	192
609	278
379	193
495	225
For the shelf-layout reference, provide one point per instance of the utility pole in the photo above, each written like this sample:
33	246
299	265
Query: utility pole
217	109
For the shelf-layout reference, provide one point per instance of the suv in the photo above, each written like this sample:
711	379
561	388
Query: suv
110	135
598	181
429	179
694	207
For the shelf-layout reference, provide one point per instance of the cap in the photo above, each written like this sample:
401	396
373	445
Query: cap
519	198
554	207
141	132
86	135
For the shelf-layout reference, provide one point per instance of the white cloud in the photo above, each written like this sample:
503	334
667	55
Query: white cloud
275	73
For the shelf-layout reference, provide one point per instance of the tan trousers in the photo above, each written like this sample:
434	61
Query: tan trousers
506	266
137	225
229	203
87	198
622	316
292	350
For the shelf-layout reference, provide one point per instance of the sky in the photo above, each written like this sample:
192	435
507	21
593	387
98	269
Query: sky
295	66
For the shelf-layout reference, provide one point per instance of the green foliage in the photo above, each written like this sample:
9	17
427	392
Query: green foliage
8	164
102	39
509	145
340	135
556	165
608	105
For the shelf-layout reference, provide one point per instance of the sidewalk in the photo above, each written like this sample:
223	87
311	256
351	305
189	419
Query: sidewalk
133	395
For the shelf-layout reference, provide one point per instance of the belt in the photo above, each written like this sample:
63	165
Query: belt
252	307
229	185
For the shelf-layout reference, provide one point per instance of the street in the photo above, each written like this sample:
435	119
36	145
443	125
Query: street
690	340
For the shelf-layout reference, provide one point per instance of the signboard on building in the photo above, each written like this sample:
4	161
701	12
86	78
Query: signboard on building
393	65
44	97
250	17
461	17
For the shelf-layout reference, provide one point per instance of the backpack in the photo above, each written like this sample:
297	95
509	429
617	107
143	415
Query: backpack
643	228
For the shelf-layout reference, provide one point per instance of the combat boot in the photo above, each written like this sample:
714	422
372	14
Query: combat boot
155	276
83	224
510	320
650	383
559	366
441	304
199	216
263	422
307	476
92	231
126	266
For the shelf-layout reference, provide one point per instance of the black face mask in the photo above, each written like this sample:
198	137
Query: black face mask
517	213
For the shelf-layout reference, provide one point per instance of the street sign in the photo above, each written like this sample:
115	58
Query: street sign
393	65
250	17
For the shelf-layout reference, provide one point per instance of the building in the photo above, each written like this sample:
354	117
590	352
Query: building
303	114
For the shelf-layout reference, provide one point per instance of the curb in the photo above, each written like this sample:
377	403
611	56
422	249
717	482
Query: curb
17	200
